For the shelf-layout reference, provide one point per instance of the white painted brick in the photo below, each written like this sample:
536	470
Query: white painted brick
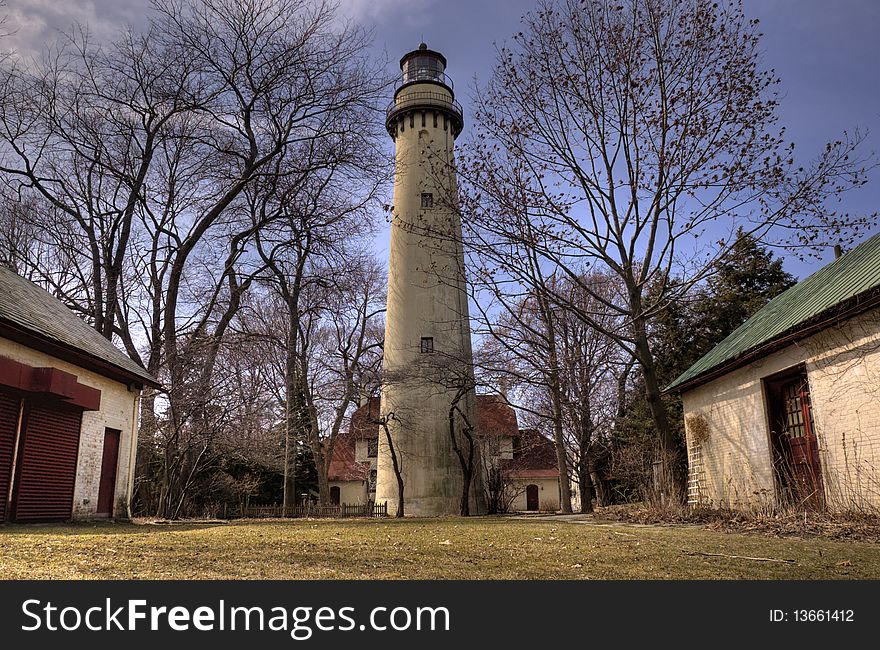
117	412
843	371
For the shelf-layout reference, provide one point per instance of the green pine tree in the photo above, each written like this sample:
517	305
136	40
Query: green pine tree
744	281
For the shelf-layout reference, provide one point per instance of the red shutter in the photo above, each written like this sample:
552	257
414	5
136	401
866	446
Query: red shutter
8	423
47	474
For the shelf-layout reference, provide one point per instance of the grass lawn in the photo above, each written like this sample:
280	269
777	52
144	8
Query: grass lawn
476	548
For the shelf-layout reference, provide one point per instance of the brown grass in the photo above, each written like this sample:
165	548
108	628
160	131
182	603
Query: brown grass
478	548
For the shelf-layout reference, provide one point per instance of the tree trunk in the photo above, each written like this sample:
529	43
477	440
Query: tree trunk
395	463
556	403
288	499
466	463
322	464
586	490
289	494
668	448
598	486
585	480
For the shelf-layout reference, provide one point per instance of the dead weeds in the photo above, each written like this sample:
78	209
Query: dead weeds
853	527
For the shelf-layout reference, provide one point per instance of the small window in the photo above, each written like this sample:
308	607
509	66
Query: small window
427	344
427	200
372	447
372	480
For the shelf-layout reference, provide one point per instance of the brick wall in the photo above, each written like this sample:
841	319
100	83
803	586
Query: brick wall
117	411
843	371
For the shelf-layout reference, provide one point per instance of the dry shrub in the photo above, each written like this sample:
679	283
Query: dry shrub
697	427
845	526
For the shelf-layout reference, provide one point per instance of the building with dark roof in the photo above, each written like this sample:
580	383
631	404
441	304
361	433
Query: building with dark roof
68	411
526	458
787	408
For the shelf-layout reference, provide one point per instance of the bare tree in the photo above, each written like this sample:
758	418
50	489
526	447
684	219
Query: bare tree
310	228
384	422
590	364
637	137
140	154
346	348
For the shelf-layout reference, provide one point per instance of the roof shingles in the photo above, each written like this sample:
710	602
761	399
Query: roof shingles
27	307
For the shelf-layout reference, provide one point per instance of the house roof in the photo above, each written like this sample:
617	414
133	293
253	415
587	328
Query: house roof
851	282
34	316
343	466
534	456
495	417
365	420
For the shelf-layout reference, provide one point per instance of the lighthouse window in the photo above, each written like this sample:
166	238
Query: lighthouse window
423	68
372	447
427	200
427	344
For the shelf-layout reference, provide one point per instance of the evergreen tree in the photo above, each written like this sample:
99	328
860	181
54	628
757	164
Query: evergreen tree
746	280
743	282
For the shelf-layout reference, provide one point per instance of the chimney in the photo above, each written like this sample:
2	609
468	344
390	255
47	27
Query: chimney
838	251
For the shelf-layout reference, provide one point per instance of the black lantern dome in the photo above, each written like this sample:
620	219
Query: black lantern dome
424	66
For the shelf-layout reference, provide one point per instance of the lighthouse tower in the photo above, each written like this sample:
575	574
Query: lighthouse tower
427	390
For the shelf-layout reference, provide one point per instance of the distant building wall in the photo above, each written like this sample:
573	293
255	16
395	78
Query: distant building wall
351	492
548	493
843	370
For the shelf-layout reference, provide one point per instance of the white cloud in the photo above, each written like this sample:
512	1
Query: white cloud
382	9
34	23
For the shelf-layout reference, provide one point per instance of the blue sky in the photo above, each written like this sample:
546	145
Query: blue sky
826	53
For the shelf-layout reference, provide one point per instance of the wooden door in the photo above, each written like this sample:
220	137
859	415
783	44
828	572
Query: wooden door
334	495
796	445
531	497
109	461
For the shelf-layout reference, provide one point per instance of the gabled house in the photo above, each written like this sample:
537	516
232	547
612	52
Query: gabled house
786	410
68	411
526	458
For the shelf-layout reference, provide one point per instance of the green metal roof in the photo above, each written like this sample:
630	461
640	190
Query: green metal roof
854	273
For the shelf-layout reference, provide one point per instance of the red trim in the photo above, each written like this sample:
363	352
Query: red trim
48	381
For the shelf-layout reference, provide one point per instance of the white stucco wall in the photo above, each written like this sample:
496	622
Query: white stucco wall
351	492
548	493
427	297
843	371
118	411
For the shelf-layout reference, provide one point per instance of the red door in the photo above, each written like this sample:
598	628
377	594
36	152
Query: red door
797	447
107	489
46	470
9	407
531	497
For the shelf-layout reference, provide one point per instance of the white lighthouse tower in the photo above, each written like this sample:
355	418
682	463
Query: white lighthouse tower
427	392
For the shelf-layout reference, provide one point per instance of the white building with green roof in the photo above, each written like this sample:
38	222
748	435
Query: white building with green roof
787	408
